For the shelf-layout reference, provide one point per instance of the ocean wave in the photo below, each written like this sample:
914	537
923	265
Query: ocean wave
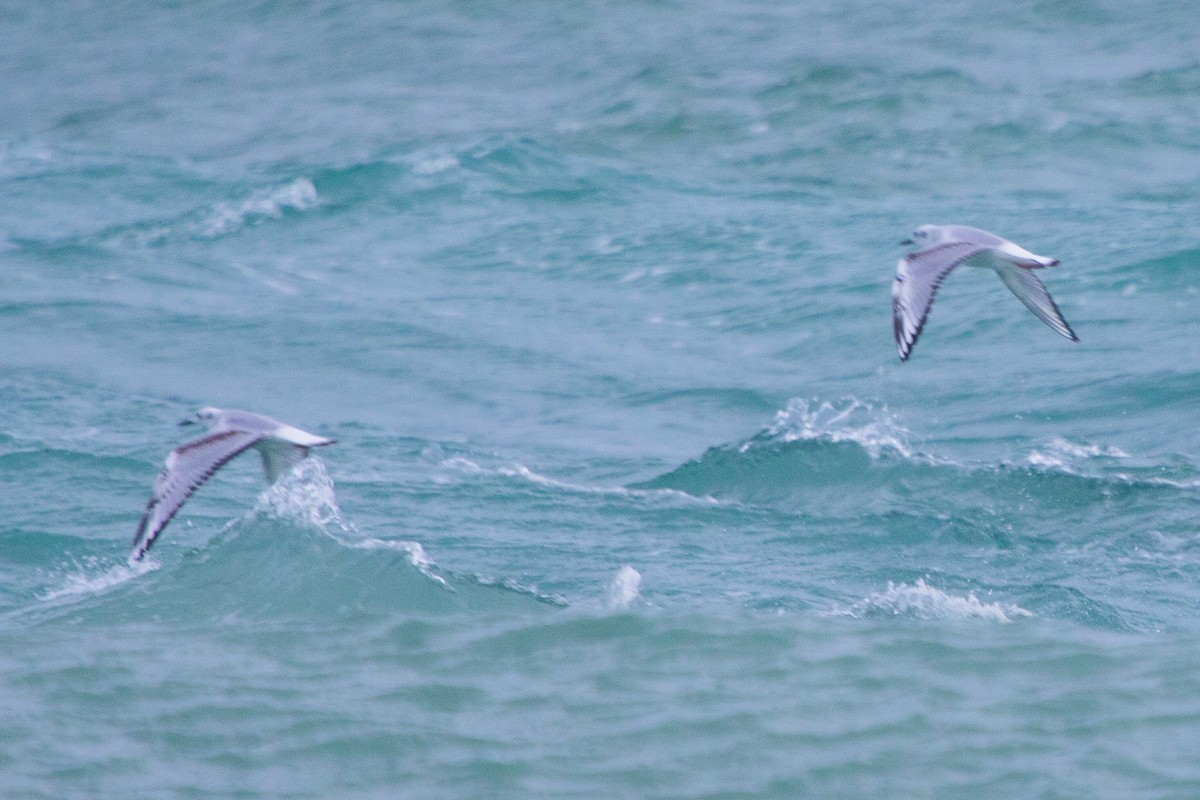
815	451
922	601
271	203
97	575
305	496
812	446
414	550
1065	455
293	553
434	164
25	158
1170	82
219	219
1105	464
848	420
460	465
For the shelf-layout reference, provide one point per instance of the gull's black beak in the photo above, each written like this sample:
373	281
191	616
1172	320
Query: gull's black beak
908	241
187	421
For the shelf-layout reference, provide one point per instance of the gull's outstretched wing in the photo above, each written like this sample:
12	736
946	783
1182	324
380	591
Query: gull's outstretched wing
1030	290
188	467
918	276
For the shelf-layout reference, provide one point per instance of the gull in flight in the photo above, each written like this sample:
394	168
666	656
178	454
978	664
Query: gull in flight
230	433
944	247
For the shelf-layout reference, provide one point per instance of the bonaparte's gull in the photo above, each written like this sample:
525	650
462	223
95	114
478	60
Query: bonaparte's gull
231	432
944	247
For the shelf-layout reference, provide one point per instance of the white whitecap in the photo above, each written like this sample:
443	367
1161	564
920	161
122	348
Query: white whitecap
922	601
524	473
851	420
415	552
1065	455
464	466
461	465
92	579
304	495
625	588
297	195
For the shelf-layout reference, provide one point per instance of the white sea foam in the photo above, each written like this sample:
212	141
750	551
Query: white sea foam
1191	483
850	420
415	552
432	165
304	495
1065	455
227	217
1062	455
458	464
625	588
93	578
298	195
922	601
521	472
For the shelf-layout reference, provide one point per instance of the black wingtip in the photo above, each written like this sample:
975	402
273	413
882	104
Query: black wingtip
139	548
139	536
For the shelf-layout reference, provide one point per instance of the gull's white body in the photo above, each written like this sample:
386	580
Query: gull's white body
944	247
231	433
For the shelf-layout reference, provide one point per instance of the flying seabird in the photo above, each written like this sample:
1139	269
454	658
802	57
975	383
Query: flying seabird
944	247
231	432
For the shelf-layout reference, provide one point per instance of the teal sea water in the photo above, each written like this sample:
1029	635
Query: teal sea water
632	496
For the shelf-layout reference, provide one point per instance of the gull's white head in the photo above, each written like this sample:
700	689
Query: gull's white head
207	416
923	235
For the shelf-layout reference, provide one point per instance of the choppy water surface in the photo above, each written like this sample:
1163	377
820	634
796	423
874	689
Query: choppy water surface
632	496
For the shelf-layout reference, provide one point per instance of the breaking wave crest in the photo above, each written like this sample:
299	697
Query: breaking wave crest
226	217
811	446
454	468
294	552
848	420
625	588
922	601
221	218
95	576
830	454
305	496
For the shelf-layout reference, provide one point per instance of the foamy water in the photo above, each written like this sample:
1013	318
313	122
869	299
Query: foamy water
922	601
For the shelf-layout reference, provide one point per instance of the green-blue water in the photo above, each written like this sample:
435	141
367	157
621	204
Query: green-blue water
632	496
